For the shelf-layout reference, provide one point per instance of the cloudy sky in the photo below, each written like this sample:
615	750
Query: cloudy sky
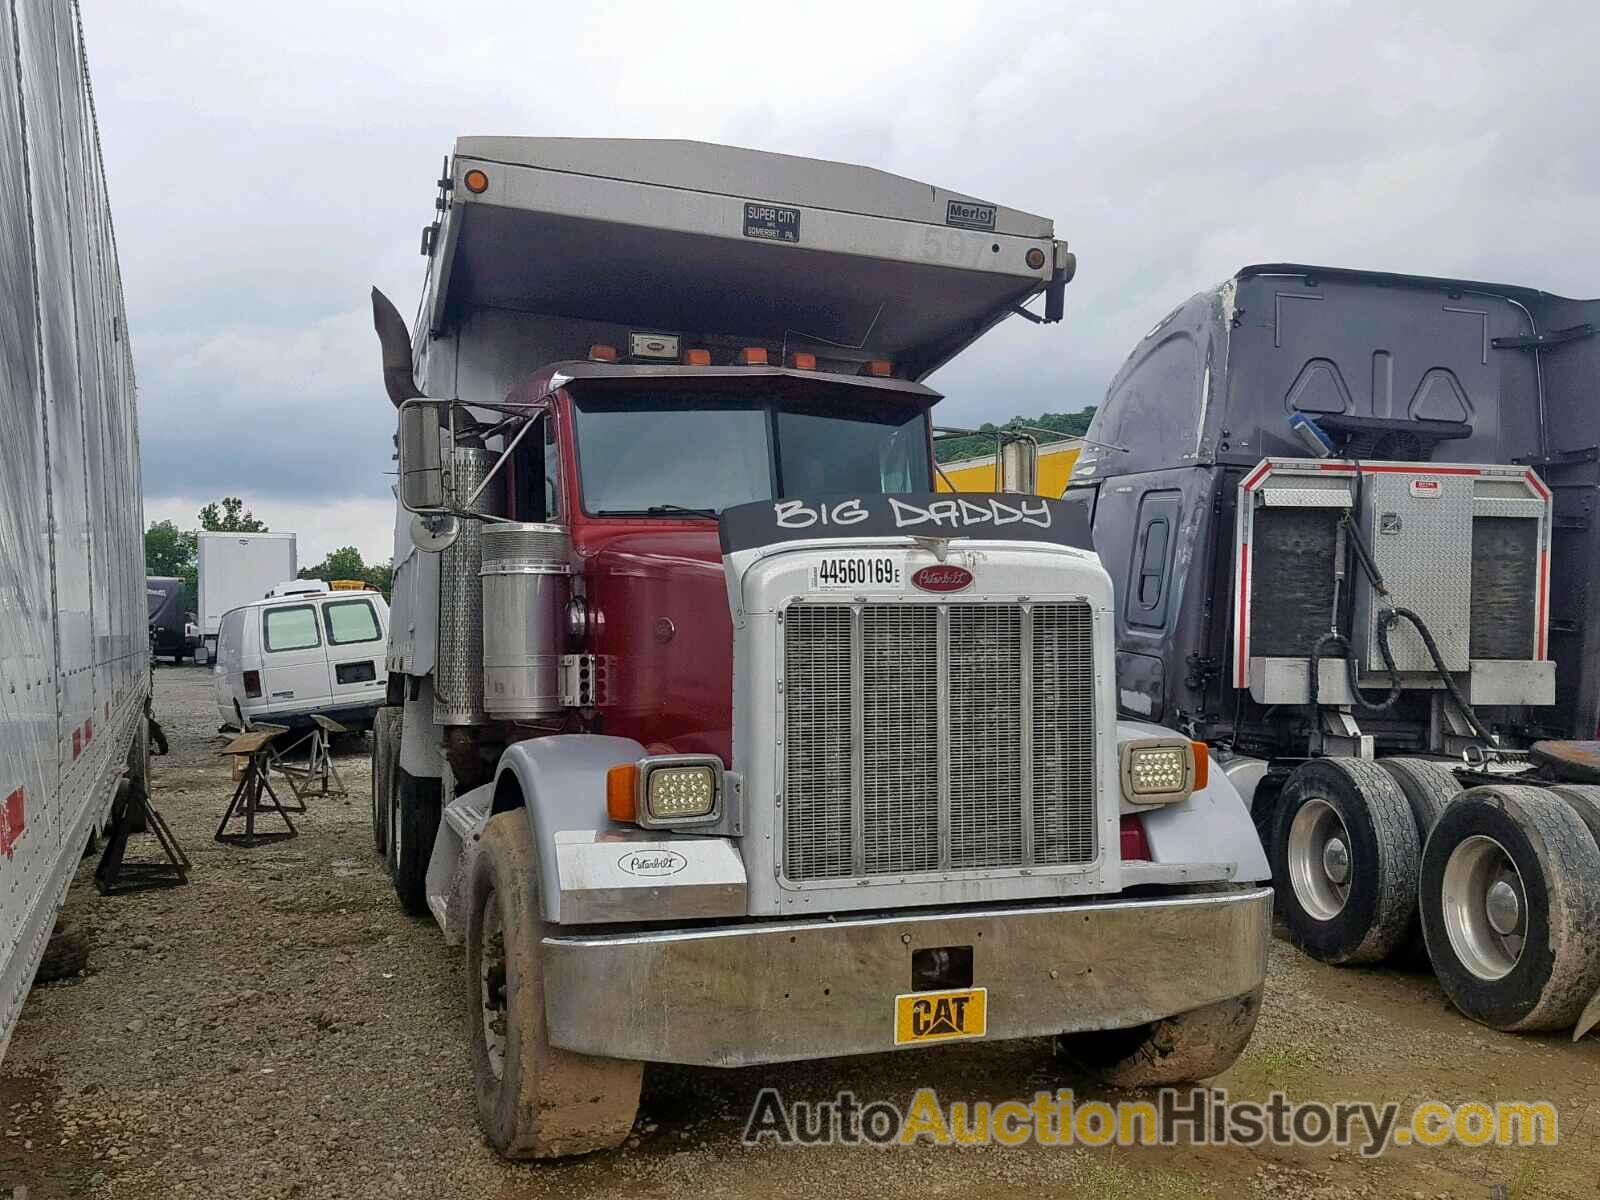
268	162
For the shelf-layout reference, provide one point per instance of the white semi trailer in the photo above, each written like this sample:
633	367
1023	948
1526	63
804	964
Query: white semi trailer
715	735
74	647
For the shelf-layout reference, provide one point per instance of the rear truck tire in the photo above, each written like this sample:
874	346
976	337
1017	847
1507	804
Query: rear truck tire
413	825
1345	860
1510	900
1429	786
385	765
1585	801
1182	1049
534	1100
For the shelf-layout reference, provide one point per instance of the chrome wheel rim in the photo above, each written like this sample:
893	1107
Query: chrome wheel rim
1320	864
1485	907
492	984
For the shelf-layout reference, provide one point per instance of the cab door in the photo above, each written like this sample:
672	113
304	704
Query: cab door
294	662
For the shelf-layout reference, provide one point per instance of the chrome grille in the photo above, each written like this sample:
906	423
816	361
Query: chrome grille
886	775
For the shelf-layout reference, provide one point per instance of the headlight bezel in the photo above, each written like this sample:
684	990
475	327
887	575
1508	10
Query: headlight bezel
1187	754
655	765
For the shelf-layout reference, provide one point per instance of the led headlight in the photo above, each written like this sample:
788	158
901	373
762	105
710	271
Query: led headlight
676	793
1160	770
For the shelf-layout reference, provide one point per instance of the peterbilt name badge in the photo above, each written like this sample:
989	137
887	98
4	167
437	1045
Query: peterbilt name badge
652	862
942	577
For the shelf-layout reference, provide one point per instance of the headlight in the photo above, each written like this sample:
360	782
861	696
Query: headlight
671	793
666	790
1162	770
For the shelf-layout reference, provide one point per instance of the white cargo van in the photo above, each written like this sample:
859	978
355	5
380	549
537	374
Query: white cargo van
286	657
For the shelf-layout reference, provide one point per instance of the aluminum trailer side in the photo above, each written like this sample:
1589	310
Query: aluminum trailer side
74	649
235	568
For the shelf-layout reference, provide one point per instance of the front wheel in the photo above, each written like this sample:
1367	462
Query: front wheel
1182	1049
534	1100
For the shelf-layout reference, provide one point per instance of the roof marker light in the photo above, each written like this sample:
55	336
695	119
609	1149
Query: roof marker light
801	361
753	356
881	367
477	182
697	357
599	353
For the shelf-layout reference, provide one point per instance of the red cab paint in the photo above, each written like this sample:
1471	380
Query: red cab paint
942	577
13	820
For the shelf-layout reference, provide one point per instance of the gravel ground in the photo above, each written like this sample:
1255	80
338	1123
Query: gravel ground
279	1029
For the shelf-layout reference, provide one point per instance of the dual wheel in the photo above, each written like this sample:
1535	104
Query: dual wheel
405	814
1498	886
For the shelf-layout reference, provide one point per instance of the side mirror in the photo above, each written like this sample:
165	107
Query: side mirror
1017	465
421	460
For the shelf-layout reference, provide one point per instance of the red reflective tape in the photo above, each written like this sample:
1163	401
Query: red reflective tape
1399	469
88	730
77	742
1536	483
1240	675
1256	476
13	821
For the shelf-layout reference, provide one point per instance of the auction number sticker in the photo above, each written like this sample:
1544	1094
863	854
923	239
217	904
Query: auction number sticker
854	572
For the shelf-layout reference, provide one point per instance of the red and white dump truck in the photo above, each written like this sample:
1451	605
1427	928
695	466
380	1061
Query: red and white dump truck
714	733
74	640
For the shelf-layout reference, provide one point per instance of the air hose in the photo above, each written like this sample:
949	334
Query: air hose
1391	616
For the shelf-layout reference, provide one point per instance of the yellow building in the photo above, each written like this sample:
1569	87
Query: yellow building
1056	460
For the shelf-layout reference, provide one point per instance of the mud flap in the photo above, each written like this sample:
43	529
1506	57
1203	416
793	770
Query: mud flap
1589	1019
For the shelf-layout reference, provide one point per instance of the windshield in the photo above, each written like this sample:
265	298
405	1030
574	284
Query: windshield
642	453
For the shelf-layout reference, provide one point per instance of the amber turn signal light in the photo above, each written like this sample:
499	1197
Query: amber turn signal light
1202	764
622	792
477	182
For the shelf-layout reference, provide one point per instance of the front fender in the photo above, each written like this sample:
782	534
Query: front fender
593	870
1211	826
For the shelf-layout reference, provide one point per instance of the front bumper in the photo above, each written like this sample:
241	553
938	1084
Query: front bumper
733	996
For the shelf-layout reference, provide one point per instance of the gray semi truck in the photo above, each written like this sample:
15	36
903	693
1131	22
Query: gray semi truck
1352	522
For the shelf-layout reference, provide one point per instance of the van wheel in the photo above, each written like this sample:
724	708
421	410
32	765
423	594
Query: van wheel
1345	860
385	765
1510	905
1182	1049
413	824
534	1100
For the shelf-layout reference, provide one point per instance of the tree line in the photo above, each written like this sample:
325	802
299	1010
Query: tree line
977	445
170	551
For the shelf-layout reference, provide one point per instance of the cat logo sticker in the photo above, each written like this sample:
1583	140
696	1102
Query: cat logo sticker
940	1016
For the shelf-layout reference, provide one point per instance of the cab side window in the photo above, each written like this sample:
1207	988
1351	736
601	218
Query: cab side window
1149	576
290	628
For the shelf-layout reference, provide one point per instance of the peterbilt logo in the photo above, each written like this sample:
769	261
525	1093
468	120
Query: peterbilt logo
652	862
942	577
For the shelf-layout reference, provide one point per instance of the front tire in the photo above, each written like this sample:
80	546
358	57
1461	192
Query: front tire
1183	1049
534	1100
1345	860
1510	905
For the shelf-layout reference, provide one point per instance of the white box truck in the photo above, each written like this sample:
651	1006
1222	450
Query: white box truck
74	638
234	569
715	735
